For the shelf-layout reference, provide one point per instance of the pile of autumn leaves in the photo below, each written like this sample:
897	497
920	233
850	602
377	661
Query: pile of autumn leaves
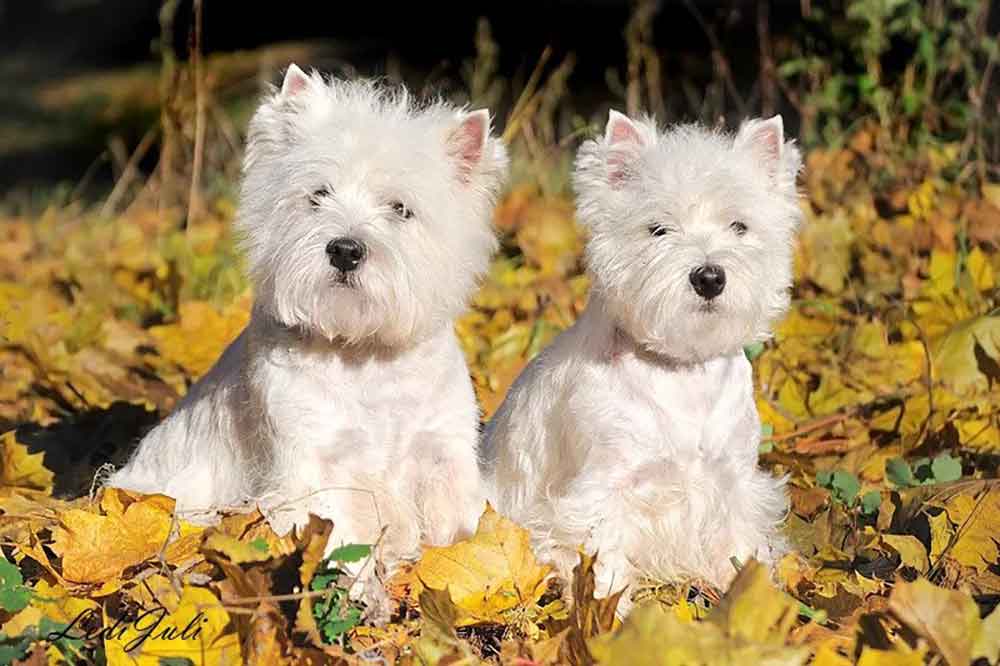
879	397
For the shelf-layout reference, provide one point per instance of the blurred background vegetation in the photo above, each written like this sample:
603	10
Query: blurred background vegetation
94	88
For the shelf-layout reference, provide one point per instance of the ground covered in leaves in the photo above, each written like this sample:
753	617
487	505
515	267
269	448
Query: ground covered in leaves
879	398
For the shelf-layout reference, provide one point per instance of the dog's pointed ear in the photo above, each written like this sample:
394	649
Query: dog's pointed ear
295	82
620	130
467	142
765	139
623	140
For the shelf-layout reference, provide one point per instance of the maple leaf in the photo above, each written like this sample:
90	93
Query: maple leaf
488	575
20	469
96	548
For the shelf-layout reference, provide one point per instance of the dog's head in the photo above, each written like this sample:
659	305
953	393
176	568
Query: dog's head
365	216
691	231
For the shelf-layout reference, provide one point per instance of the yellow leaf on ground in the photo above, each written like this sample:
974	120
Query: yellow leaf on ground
911	550
98	548
251	527
976	519
201	334
653	636
754	610
987	646
193	631
980	270
941	278
872	657
489	574
236	550
981	435
187	546
827	655
825	251
948	619
548	236
959	353
941	534
20	469
48	601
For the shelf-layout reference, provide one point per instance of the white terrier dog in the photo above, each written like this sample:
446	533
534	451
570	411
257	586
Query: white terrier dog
366	221
635	433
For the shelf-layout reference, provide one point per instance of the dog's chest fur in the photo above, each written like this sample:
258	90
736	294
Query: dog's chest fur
684	409
368	408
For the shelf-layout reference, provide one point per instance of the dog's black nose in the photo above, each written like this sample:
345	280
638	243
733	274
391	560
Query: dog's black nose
345	253
708	281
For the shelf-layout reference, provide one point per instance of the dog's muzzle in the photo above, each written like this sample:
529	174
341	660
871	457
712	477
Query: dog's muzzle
345	253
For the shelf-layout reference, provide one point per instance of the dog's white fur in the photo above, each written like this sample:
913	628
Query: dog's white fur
635	434
347	395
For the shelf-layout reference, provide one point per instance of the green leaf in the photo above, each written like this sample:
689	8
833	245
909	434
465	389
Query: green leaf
14	596
337	614
945	468
845	486
870	502
323	581
922	471
824	479
351	552
817	616
898	472
260	543
766	432
754	350
11	651
334	628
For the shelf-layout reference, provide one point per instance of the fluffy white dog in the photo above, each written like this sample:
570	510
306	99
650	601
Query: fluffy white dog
635	433
365	219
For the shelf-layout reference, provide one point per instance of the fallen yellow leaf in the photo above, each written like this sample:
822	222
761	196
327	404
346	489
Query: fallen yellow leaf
200	335
489	574
946	618
98	548
21	469
194	630
653	636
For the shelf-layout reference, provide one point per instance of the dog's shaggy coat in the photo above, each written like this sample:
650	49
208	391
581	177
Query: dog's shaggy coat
347	395
635	434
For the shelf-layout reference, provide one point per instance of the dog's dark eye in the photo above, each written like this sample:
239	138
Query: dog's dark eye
401	210
318	195
658	229
738	227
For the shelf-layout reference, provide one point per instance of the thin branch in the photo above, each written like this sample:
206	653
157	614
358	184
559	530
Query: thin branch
128	173
194	194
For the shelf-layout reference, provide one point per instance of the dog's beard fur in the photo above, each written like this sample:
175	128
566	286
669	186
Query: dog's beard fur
380	302
655	304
